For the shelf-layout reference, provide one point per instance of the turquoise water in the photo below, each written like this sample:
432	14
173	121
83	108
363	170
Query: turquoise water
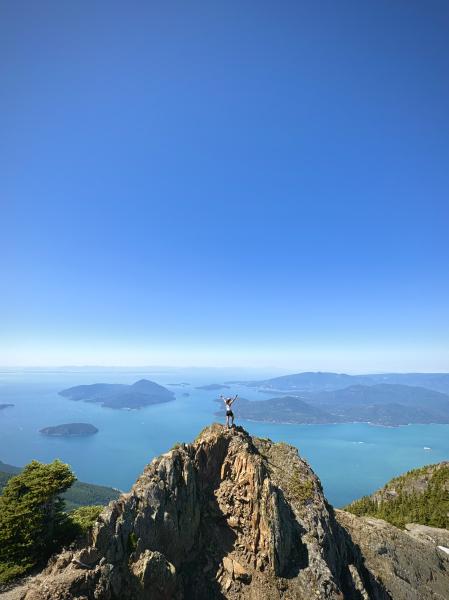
351	459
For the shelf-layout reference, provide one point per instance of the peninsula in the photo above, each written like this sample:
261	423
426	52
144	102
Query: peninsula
389	405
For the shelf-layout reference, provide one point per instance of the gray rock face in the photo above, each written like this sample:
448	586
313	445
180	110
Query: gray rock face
228	516
408	564
434	535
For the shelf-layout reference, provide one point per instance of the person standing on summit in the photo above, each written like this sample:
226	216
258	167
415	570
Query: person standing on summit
229	414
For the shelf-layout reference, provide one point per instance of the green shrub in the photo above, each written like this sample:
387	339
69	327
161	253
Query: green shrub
10	572
83	518
302	489
132	542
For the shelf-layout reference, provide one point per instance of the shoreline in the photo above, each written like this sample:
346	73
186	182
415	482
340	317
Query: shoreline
335	423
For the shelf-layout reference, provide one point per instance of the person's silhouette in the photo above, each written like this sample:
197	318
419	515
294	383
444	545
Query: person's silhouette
229	414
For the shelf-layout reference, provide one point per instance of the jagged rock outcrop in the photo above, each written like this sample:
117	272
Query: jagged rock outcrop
408	564
228	516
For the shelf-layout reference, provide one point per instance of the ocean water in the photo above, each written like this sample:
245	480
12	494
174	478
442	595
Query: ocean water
350	459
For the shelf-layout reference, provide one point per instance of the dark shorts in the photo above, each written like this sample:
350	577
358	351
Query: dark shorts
229	413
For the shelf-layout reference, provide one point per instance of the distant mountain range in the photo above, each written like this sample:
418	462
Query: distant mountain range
119	395
322	381
381	404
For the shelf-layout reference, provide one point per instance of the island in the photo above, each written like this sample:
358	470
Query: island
121	396
70	430
213	386
390	405
2	406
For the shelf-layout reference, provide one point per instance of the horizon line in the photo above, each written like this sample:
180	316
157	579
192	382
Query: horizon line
7	368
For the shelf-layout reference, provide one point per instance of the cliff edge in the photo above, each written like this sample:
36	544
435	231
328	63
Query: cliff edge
228	517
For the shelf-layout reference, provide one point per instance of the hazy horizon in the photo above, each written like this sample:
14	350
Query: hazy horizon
160	369
368	360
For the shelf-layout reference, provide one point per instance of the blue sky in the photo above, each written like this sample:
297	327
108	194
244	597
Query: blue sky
225	183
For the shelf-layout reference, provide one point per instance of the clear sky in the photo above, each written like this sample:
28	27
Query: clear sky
225	183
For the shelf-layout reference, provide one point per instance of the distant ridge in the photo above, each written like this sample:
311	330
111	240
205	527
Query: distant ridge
320	381
418	496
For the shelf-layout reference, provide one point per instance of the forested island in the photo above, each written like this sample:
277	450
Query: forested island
2	406
70	430
121	396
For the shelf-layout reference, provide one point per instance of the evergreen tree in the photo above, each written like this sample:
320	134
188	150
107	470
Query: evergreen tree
428	505
32	519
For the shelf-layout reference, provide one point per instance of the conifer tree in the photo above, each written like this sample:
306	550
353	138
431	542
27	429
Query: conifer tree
32	517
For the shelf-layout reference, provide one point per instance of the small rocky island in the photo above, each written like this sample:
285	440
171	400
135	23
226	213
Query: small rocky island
70	430
2	406
121	396
213	386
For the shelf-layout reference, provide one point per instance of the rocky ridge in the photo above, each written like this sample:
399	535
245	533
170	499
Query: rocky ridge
418	496
231	516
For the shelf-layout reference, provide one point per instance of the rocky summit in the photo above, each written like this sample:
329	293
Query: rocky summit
231	516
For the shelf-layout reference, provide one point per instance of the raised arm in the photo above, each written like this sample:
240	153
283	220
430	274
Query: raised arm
234	399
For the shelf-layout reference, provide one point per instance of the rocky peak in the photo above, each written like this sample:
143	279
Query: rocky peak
228	516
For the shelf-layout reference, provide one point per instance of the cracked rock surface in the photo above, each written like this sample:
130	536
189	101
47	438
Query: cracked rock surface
229	517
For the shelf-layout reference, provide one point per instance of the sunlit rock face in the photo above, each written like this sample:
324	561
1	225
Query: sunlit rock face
229	516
